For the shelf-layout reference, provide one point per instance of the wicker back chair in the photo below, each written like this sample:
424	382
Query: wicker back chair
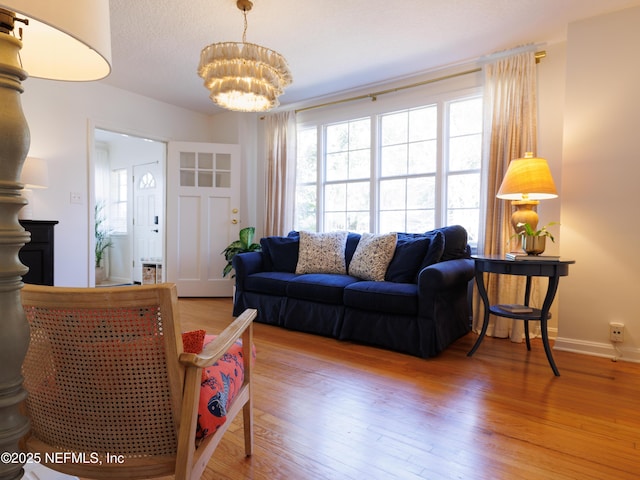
109	384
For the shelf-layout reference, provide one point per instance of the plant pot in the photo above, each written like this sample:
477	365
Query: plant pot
533	245
101	274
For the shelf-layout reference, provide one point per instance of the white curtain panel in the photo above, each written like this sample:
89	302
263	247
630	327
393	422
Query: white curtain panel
511	130
280	172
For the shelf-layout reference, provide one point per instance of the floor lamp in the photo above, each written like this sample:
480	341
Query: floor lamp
54	39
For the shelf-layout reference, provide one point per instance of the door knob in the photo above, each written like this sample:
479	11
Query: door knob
234	221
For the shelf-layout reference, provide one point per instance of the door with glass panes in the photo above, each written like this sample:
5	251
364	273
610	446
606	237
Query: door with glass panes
203	215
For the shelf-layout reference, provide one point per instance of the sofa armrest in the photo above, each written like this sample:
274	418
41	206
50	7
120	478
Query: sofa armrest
245	264
446	274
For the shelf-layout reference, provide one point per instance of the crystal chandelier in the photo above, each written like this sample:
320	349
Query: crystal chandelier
242	76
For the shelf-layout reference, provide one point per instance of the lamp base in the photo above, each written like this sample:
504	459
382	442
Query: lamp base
524	213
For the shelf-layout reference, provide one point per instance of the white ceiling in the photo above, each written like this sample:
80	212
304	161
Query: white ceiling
330	45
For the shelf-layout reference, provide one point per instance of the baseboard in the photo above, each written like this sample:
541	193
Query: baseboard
597	349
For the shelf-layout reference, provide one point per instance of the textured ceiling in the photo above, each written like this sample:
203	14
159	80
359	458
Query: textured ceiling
330	45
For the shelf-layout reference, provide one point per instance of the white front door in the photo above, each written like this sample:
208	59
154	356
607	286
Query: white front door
148	217
203	191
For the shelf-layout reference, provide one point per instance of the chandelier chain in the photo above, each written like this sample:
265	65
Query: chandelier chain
244	32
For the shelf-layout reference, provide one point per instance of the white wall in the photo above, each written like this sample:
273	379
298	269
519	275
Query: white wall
600	171
61	116
243	128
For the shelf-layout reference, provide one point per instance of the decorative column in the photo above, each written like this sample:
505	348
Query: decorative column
14	330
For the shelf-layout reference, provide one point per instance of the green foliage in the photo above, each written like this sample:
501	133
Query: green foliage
103	241
542	232
243	245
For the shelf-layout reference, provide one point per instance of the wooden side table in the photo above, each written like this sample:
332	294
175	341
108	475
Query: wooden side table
552	269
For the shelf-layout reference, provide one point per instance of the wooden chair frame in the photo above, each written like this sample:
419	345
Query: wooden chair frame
183	370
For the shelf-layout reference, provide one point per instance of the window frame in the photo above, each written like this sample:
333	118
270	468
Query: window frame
443	98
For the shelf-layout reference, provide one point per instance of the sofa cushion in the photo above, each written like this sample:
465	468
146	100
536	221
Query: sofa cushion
372	256
455	243
436	249
271	283
352	242
322	253
386	297
319	287
280	253
409	255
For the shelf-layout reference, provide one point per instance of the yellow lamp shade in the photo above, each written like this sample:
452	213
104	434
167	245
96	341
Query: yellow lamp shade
528	178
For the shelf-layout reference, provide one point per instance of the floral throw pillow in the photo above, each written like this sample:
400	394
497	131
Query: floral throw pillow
322	253
372	256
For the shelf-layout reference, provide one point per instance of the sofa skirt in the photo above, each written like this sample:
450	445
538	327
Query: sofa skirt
312	317
396	332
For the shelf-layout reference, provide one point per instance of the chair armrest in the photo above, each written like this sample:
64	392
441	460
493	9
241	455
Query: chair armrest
222	343
446	274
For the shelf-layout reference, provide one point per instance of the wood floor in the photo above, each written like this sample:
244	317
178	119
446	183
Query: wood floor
332	410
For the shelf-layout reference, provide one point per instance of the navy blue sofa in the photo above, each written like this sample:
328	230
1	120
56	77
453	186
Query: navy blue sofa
420	308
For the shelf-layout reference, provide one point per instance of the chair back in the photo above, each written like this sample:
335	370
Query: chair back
103	376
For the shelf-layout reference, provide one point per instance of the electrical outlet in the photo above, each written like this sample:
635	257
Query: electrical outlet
616	332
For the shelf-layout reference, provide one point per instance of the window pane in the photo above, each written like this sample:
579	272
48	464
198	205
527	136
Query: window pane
393	194
358	222
360	134
223	161
420	220
421	193
423	123
465	117
394	128
465	153
422	157
334	221
358	197
464	191
393	221
307	160
468	218
205	161
337	137
359	164
305	207
393	160
337	166
335	197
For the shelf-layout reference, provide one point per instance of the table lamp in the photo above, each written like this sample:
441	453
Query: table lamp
527	181
35	175
54	39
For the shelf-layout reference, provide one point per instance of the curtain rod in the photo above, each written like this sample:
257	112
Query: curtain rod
373	96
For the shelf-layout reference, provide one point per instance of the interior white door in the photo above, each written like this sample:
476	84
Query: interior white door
148	194
203	191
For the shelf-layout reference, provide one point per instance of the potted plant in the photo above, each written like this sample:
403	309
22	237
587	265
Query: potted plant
243	245
103	240
533	241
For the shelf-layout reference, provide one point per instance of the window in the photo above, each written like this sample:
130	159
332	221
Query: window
118	205
407	170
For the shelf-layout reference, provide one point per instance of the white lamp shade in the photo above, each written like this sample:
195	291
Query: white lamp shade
35	173
65	39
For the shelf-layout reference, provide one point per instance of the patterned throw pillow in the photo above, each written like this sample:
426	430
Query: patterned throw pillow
322	253
372	256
